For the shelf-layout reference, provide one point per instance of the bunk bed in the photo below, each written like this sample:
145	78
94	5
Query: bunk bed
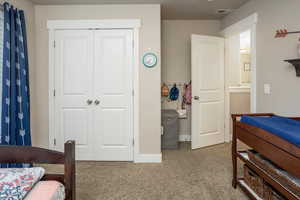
278	149
26	154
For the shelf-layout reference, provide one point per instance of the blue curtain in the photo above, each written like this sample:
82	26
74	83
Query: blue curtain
15	116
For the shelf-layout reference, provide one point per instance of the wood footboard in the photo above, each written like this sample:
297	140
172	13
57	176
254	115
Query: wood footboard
26	154
234	142
282	153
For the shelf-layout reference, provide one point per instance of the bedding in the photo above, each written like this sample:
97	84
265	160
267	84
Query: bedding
47	190
285	128
15	183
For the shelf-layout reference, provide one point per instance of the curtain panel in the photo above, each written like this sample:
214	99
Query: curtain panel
15	115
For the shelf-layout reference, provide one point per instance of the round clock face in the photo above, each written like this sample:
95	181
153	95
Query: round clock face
150	60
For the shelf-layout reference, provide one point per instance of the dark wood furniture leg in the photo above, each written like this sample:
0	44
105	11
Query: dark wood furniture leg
234	155
70	170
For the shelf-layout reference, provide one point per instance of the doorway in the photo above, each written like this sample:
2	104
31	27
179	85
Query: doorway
240	70
239	83
210	105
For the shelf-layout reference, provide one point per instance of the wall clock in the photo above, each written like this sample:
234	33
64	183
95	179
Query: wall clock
150	60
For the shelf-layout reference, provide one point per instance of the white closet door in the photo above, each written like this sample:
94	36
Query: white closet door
113	138
73	85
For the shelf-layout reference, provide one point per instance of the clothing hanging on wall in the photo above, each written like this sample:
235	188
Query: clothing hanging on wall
164	90
174	93
187	97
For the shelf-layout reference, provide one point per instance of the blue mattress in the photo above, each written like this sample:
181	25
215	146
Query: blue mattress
285	128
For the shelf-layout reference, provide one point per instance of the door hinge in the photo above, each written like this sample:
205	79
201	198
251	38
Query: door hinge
132	92
133	43
132	142
54	44
54	142
54	93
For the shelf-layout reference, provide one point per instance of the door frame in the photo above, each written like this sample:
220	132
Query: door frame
248	23
133	24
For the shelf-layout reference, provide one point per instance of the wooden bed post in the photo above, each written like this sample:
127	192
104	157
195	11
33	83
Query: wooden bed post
234	153
234	143
70	170
35	155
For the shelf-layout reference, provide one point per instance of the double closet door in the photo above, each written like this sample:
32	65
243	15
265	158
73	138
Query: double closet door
93	93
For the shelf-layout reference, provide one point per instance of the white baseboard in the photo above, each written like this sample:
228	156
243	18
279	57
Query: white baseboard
148	158
184	138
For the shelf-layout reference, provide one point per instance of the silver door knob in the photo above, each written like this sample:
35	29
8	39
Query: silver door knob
97	102
89	102
196	98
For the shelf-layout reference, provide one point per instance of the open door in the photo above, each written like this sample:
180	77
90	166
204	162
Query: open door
208	91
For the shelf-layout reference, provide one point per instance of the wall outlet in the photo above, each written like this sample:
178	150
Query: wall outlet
267	88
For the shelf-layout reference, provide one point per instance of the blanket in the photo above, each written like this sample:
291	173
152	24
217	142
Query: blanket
285	128
16	183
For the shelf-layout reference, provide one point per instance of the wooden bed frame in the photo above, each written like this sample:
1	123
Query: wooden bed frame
282	153
26	154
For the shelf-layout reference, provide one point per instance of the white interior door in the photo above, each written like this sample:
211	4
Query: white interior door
113	136
208	91
73	88
93	101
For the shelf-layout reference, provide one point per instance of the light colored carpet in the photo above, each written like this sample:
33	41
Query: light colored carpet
184	174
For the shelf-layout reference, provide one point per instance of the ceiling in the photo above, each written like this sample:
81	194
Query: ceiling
171	9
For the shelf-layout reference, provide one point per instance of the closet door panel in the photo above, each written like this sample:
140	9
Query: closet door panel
75	61
73	86
113	135
113	90
75	125
113	62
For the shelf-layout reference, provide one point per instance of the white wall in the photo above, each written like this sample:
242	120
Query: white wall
28	8
239	103
150	40
176	46
176	55
233	60
272	15
245	58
